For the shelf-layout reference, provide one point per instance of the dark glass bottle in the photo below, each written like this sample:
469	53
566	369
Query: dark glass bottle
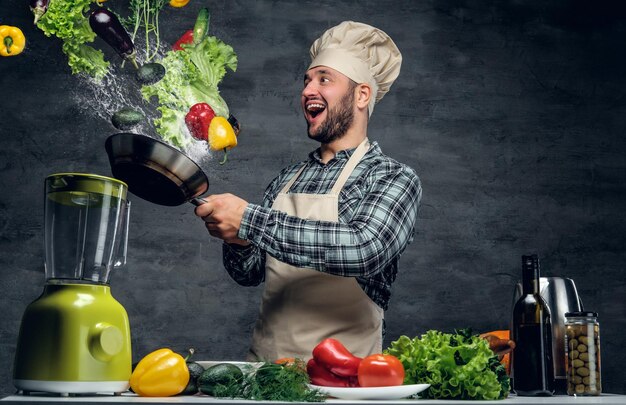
533	373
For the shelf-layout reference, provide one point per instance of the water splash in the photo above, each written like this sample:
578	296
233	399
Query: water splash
199	152
100	99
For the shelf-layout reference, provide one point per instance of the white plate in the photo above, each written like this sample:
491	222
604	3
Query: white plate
395	392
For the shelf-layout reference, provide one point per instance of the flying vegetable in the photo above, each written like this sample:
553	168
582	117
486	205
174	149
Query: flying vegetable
108	27
12	40
39	8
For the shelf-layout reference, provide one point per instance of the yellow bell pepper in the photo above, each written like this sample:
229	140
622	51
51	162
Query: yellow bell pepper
178	3
161	373
222	136
12	40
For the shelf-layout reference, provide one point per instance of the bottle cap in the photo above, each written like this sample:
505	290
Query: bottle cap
530	266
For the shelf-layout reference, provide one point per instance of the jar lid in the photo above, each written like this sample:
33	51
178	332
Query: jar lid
581	314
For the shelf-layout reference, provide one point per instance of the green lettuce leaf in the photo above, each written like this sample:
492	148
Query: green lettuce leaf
212	57
192	76
457	366
66	20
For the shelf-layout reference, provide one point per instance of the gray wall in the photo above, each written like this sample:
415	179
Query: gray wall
512	112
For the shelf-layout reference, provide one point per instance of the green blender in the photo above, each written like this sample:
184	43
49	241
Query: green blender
75	337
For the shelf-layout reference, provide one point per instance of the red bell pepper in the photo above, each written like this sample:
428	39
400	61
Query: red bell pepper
319	375
198	120
186	38
334	356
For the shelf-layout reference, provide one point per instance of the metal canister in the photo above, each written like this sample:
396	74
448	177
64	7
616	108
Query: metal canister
582	353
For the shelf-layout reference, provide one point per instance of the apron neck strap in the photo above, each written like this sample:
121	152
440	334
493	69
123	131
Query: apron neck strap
292	180
360	151
354	160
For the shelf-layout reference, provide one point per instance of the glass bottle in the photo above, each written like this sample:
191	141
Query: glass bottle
532	368
582	342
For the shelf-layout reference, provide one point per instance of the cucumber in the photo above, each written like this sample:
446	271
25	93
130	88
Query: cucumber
195	371
201	27
219	379
126	118
150	73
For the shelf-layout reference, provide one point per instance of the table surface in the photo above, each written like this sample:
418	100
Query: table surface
604	399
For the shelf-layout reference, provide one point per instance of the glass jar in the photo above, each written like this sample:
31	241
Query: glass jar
582	353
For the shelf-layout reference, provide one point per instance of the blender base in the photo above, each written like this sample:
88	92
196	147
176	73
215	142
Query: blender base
71	387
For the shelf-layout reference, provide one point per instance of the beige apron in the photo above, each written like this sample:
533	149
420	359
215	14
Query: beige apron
300	306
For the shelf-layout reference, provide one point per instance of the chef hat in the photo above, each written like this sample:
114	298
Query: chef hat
363	53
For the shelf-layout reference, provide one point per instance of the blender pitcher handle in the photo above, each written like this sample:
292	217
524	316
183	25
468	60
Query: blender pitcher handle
121	259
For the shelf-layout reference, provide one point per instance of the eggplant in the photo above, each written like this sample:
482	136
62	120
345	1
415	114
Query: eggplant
234	123
39	8
108	27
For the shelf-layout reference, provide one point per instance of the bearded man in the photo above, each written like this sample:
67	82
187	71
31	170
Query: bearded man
327	238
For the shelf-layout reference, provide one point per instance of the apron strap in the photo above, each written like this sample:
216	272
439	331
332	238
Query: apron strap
292	180
354	160
360	151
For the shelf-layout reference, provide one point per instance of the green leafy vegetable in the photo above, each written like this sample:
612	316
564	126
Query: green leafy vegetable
457	366
192	76
145	14
66	20
272	382
275	382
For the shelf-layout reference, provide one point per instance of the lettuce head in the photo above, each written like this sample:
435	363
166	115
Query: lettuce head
192	76
457	366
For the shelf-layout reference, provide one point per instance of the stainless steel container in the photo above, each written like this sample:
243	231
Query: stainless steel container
561	296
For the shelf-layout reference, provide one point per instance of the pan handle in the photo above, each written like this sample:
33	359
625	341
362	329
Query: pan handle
197	201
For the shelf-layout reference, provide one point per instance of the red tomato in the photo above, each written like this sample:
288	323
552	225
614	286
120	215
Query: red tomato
380	370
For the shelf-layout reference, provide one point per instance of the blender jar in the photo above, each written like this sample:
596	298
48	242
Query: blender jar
86	227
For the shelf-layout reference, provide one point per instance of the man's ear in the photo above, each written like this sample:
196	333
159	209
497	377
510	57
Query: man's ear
363	95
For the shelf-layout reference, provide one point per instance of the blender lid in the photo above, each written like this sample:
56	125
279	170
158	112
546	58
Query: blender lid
82	188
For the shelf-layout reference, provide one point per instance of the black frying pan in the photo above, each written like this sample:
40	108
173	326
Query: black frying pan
154	170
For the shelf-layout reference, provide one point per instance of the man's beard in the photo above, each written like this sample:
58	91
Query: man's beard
338	121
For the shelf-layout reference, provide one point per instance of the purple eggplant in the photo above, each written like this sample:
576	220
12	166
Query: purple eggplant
234	123
39	8
108	27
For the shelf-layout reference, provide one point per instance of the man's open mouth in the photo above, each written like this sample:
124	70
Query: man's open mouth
314	109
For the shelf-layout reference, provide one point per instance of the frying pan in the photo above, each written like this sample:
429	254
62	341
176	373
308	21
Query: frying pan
154	170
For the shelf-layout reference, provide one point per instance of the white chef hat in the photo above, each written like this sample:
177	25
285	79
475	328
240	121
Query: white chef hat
363	53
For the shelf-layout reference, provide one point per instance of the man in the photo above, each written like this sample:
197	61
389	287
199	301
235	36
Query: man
327	238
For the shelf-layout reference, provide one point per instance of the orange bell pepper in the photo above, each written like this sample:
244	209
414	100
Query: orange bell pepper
499	341
161	373
178	3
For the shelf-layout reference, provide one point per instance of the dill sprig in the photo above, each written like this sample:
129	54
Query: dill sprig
272	382
275	382
145	14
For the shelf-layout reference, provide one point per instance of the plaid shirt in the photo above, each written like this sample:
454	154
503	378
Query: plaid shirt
378	209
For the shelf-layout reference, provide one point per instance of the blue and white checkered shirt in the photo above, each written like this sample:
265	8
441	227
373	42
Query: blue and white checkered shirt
378	209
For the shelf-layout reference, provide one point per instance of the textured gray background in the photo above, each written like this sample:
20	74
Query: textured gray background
512	113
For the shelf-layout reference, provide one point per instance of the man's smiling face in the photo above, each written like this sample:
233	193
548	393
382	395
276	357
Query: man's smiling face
328	103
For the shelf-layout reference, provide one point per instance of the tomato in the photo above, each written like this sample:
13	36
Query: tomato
380	370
